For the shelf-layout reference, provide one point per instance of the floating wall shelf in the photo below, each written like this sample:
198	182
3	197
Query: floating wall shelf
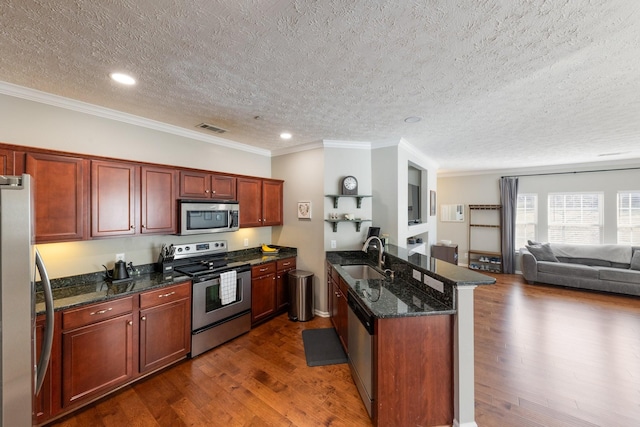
358	222
335	198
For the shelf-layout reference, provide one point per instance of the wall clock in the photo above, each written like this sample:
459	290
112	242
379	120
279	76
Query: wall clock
349	185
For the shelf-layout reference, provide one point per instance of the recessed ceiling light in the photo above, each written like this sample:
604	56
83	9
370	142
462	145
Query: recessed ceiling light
285	135
412	119
122	78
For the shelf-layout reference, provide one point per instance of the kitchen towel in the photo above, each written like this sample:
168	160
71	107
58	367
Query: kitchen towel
228	287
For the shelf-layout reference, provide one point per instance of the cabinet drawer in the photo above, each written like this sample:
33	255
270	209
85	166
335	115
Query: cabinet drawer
165	295
286	264
262	269
75	318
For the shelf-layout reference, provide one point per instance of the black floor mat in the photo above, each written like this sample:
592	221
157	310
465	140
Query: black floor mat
322	347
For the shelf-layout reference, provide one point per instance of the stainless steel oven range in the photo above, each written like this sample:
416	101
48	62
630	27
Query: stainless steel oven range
221	295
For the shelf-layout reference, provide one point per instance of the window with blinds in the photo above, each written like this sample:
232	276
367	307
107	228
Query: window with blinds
575	218
526	219
629	217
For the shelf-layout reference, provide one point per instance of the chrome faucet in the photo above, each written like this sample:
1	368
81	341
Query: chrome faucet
380	251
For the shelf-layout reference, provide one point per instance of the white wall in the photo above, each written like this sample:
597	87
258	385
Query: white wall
340	162
391	178
302	173
36	124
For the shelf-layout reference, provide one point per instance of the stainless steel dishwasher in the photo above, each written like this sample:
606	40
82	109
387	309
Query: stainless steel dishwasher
360	326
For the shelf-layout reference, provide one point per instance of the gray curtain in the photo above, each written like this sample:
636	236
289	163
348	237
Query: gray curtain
509	202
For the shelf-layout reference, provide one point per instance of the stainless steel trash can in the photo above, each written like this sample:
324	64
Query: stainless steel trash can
300	295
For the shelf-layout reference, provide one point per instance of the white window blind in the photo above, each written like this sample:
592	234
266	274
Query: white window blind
629	217
526	219
575	218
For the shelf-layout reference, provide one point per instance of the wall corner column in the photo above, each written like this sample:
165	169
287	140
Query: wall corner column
463	358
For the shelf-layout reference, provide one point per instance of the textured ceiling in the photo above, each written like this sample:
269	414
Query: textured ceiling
499	84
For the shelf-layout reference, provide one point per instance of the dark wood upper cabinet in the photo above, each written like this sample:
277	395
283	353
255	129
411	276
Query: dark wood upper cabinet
250	198
60	196
260	202
6	162
158	200
271	202
113	198
200	185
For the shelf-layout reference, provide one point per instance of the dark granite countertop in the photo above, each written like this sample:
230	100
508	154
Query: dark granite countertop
388	298
89	288
405	296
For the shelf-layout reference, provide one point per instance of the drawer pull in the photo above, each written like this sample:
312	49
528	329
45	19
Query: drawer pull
100	311
167	295
286	264
264	269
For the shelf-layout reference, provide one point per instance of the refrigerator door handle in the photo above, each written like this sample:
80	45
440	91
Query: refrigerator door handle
43	362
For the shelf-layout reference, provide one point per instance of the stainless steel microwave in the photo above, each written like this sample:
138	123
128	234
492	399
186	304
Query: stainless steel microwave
208	216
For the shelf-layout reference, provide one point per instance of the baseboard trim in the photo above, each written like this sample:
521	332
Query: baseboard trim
469	424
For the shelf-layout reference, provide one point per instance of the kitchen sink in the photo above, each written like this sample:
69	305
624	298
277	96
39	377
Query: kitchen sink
363	272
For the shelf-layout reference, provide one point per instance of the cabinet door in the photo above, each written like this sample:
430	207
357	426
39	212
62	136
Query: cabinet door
158	200
223	187
342	317
113	195
6	162
263	292
44	402
59	197
250	199
96	358
195	185
282	282
271	202
165	334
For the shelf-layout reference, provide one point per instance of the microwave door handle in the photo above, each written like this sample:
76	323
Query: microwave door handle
45	356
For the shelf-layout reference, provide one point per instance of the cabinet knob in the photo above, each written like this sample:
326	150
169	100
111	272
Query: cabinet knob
142	226
206	191
132	226
130	322
143	318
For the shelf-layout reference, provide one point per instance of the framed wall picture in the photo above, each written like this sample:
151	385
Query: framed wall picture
432	203
304	210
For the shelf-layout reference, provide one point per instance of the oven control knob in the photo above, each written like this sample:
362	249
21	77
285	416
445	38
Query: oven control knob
216	245
187	248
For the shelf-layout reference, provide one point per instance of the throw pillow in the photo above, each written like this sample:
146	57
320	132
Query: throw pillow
635	261
532	243
542	252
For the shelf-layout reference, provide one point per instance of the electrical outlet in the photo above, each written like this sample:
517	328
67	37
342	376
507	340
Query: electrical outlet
119	257
417	275
246	242
334	244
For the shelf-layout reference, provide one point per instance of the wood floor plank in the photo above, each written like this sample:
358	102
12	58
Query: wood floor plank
546	356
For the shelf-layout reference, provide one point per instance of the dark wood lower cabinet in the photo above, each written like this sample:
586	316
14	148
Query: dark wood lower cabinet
101	347
165	327
263	292
413	371
96	358
283	267
338	307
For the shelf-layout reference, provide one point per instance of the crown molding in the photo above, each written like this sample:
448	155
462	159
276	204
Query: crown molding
107	113
296	149
334	143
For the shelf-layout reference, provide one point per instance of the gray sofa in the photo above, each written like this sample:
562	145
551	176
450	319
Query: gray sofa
609	268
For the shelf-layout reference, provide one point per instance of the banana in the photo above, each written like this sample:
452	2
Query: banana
266	248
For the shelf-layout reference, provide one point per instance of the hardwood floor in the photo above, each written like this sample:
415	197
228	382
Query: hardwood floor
549	356
545	357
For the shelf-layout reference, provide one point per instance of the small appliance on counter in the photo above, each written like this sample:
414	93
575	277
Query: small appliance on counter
120	272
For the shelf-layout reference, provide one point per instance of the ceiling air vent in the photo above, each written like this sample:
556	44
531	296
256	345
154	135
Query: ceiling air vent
212	128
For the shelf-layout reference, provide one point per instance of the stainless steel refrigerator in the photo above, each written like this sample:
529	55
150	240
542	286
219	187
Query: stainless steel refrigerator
19	261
